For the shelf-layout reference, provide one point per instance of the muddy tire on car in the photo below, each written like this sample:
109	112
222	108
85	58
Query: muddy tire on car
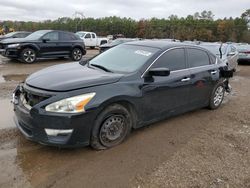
217	96
111	128
28	55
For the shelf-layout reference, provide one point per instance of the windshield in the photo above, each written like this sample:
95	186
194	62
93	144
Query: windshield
124	58
215	49
37	35
10	34
80	34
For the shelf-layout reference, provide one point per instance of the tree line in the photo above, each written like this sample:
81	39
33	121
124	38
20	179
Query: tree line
200	26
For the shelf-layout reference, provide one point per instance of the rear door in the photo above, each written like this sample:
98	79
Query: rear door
66	42
167	95
204	76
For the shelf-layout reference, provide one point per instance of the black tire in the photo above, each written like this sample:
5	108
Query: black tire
28	55
111	127
76	54
217	96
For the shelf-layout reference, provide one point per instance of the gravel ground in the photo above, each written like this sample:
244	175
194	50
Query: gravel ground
219	155
202	148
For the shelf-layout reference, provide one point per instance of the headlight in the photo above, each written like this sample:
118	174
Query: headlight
13	45
71	105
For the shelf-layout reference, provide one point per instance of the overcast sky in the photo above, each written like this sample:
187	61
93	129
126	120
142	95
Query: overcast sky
38	10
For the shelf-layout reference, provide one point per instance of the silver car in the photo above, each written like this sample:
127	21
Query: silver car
227	52
244	52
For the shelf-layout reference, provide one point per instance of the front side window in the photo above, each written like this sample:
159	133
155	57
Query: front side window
87	36
124	58
52	36
197	58
173	60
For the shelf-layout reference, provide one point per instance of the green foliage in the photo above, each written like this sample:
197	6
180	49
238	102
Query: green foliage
200	26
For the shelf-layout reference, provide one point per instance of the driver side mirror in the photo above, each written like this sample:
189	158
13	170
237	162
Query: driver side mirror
159	72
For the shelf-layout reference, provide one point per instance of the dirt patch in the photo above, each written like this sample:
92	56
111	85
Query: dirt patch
219	156
203	148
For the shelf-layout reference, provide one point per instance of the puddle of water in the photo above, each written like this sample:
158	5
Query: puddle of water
15	77
6	114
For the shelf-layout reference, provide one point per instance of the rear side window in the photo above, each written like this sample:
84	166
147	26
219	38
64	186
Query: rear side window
197	58
212	59
93	36
173	60
67	36
233	49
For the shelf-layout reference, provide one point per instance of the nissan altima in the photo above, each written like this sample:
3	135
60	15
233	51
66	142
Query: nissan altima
98	102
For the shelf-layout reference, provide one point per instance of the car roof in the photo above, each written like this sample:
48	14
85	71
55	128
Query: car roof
163	45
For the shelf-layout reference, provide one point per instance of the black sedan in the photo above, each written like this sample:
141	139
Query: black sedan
43	44
98	102
18	34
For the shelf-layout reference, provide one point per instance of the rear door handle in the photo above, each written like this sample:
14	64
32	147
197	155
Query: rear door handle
185	79
213	72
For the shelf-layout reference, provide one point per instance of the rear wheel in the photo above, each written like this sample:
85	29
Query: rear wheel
111	127
28	55
217	96
76	54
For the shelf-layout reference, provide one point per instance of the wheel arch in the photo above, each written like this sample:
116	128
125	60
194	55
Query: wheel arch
32	46
129	105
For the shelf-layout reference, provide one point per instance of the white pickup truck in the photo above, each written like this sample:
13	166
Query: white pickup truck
91	40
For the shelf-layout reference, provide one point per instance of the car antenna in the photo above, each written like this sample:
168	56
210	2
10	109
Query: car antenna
220	50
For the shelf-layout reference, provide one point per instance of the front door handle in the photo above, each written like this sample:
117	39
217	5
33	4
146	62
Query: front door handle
213	72
185	79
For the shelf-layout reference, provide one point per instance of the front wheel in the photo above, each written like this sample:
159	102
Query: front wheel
28	55
76	54
217	96
111	127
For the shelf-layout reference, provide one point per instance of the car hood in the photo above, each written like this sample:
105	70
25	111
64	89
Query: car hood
70	76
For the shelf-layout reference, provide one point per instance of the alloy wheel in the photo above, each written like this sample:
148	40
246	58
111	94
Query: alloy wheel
77	54
29	56
218	95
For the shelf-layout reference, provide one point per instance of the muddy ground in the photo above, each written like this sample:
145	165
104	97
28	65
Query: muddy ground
199	149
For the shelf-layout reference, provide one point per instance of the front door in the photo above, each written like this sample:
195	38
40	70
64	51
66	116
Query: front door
49	45
163	96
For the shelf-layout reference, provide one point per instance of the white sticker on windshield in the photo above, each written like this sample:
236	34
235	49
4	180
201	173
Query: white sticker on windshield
142	52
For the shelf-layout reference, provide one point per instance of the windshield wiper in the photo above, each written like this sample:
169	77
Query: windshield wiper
101	67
